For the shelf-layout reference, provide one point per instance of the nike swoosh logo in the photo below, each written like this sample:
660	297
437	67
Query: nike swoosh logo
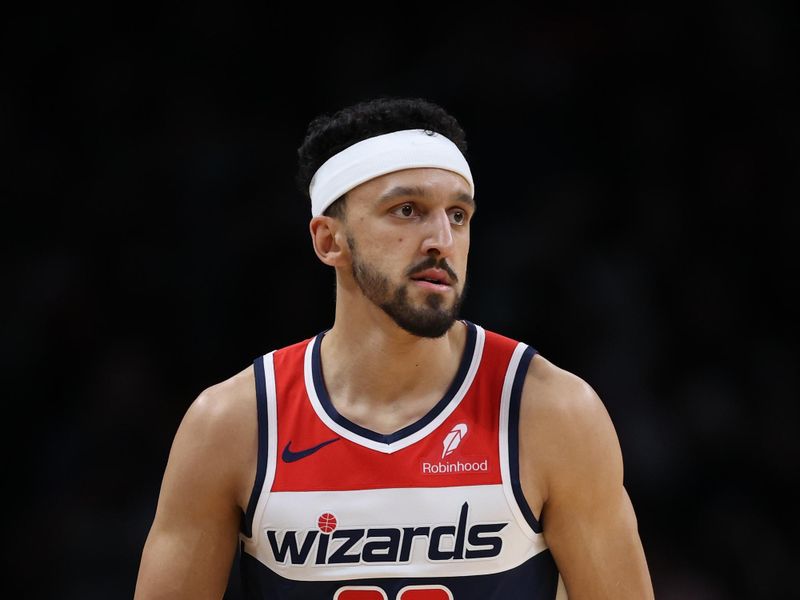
289	456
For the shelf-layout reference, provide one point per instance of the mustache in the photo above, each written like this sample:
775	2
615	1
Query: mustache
432	263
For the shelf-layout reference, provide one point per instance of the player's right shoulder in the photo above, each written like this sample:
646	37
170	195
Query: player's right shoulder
218	436
226	402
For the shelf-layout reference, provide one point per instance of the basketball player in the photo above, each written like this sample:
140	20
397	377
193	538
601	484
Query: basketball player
403	454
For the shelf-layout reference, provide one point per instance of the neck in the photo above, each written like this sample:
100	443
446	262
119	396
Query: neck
382	377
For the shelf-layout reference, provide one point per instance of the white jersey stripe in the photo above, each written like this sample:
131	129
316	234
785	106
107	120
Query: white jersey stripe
505	469
272	446
295	514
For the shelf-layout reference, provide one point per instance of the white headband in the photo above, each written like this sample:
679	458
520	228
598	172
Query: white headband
370	158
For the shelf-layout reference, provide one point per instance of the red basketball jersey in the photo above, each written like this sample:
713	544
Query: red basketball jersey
434	511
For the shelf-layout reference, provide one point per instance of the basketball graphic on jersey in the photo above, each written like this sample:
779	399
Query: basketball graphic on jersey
326	522
453	439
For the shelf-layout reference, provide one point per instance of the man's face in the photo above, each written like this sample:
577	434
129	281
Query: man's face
408	234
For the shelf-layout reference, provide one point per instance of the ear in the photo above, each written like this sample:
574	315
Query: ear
329	239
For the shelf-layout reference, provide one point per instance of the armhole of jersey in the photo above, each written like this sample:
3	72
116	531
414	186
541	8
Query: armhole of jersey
511	399
263	444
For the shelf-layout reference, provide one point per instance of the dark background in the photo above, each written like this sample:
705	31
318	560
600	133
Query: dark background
637	182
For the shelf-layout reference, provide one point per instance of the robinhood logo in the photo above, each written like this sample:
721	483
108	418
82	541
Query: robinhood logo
449	445
453	439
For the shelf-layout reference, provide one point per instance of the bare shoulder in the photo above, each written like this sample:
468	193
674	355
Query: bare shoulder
566	433
220	430
572	477
225	405
560	397
209	473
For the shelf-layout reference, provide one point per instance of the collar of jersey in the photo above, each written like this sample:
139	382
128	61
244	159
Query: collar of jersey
388	443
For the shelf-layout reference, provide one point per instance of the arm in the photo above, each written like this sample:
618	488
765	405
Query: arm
571	471
211	468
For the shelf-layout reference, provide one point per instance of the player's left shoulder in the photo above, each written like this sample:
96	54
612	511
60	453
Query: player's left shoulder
559	395
564	425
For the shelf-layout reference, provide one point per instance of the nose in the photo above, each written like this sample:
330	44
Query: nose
438	234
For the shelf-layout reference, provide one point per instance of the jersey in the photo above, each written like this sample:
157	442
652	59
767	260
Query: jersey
434	511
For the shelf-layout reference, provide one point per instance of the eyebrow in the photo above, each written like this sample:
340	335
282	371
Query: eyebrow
403	190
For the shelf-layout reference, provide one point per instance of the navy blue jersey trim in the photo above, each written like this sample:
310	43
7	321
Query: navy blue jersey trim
261	468
513	438
327	405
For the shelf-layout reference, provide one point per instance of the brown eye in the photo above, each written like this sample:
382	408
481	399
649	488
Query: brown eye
406	210
457	217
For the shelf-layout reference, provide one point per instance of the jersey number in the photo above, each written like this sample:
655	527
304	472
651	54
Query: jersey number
410	592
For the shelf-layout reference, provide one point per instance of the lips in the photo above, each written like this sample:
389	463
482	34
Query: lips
436	276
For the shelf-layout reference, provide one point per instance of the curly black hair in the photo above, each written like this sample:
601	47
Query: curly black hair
329	134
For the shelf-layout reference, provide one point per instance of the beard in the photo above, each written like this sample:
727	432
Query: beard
432	320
